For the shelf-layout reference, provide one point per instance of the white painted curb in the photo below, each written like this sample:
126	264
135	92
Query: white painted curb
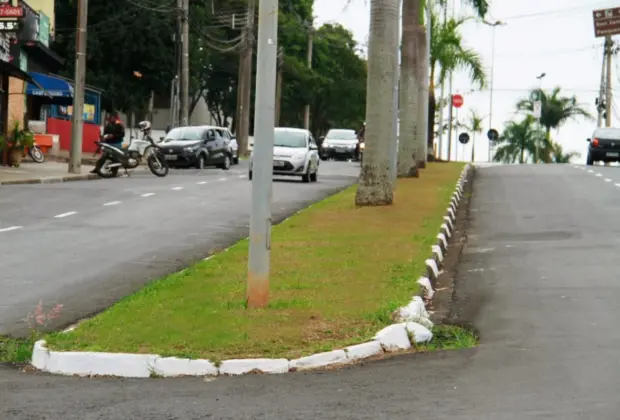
413	326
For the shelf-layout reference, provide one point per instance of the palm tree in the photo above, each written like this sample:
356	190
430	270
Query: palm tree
448	54
475	126
556	111
558	155
520	141
375	184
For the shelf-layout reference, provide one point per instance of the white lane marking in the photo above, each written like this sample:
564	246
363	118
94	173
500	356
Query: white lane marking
67	214
10	228
177	188
222	179
590	171
607	179
599	175
242	176
112	203
147	195
618	185
201	182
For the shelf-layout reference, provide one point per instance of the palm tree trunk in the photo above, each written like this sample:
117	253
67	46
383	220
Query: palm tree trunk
408	153
473	147
422	89
375	187
522	155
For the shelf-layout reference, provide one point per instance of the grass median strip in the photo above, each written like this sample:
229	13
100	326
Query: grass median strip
337	274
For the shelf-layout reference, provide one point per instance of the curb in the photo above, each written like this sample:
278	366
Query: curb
412	326
52	179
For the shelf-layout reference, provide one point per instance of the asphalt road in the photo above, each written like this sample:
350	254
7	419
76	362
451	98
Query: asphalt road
87	244
538	278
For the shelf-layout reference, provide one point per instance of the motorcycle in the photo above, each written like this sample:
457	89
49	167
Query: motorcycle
36	153
114	158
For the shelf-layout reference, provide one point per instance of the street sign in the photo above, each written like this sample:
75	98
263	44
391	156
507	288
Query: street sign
492	134
464	138
457	101
537	109
606	22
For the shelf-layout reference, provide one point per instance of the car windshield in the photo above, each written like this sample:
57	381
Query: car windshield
185	134
341	135
284	138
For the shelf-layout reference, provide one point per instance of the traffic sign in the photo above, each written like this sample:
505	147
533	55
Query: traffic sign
464	138
492	134
457	101
537	109
606	22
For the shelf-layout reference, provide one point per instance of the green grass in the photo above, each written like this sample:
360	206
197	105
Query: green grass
337	273
450	337
13	350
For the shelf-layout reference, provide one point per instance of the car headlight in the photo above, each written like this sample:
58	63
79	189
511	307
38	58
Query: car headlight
361	146
191	148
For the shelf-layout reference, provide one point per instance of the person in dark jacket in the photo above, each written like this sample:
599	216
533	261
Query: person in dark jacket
113	134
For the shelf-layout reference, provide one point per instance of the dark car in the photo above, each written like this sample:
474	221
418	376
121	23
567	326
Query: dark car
340	144
604	146
197	146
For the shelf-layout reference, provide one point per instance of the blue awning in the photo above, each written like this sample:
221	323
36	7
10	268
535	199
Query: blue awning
49	85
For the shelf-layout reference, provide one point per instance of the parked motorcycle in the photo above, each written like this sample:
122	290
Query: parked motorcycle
36	153
114	158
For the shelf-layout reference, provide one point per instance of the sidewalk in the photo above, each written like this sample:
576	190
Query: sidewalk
63	157
42	173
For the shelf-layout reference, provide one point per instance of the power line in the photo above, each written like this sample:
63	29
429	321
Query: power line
556	12
554	52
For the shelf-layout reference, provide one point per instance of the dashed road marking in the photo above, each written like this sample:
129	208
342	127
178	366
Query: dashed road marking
607	179
590	171
177	188
618	185
63	215
147	195
599	175
201	182
112	203
8	229
242	176
222	179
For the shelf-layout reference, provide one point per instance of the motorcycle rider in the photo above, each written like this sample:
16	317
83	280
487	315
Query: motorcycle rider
113	134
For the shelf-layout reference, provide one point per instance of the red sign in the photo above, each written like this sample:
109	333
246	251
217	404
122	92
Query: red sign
457	101
10	11
606	22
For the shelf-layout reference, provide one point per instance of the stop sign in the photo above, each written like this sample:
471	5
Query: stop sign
457	101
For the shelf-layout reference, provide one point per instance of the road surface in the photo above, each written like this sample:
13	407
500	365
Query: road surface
87	244
538	277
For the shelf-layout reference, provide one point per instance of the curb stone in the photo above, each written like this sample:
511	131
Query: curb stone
52	179
408	330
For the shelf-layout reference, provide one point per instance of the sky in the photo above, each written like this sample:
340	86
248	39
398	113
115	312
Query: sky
555	37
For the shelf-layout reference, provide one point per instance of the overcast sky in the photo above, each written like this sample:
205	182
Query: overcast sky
551	36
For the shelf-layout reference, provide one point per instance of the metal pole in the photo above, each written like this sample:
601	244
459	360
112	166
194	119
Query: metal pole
601	94
309	58
608	48
441	99
75	158
450	110
395	111
185	65
257	292
491	87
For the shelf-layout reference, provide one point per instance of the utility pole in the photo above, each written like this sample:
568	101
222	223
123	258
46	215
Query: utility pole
309	58
608	49
257	292
601	95
450	109
279	85
75	158
244	86
185	63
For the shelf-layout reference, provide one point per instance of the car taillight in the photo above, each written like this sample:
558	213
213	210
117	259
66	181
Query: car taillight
595	142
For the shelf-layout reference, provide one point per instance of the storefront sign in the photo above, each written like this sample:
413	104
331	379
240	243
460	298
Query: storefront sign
89	111
5	47
10	14
29	24
44	29
9	26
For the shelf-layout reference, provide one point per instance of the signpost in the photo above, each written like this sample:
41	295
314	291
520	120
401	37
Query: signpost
457	101
606	22
537	109
464	138
492	134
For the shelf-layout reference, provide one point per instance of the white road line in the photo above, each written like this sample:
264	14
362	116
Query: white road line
242	176
67	214
607	179
112	203
177	188
147	195
618	185
590	171
599	175
10	228
222	179
201	182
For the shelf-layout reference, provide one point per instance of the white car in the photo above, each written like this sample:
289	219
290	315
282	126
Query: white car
295	153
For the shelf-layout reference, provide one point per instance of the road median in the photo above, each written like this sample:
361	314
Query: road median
339	274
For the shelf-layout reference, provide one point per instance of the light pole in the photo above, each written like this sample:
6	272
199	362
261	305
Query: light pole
538	114
493	25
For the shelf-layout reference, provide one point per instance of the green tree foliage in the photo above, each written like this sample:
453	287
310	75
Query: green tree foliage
521	142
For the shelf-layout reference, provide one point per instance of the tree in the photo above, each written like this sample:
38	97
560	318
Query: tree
475	126
556	111
520	141
448	54
375	185
558	155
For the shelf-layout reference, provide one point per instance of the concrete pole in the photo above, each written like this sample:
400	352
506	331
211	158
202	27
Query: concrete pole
601	95
75	157
309	59
491	88
395	111
257	292
608	48
185	65
441	99
450	110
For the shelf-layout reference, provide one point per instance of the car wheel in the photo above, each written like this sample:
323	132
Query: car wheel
306	177
201	162
226	164
589	160
250	175
314	177
236	160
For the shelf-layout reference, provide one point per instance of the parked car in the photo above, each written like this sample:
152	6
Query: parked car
604	146
232	142
295	153
197	146
341	144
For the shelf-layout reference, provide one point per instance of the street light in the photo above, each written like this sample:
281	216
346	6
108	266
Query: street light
492	25
538	114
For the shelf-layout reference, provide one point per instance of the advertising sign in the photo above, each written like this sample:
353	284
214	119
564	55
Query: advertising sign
606	22
44	29
10	14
